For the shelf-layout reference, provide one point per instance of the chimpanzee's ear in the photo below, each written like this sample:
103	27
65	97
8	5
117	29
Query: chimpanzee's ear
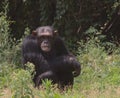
34	32
56	33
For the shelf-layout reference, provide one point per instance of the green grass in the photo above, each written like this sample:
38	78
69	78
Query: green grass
100	74
100	78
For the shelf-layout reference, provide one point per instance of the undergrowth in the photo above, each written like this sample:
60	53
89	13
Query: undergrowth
100	74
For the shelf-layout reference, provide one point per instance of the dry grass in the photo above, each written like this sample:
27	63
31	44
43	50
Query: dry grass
110	92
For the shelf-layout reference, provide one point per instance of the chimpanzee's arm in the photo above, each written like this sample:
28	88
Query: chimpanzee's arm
60	47
38	60
31	53
64	61
60	64
65	64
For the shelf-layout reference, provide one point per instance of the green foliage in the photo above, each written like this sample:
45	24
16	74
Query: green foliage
4	31
9	49
72	44
5	46
21	83
5	71
100	70
48	85
70	17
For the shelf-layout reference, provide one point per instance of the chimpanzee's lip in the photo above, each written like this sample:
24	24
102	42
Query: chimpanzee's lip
46	46
46	49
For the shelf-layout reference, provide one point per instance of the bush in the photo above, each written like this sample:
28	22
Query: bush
9	50
21	83
98	68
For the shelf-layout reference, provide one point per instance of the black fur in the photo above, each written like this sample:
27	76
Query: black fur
55	65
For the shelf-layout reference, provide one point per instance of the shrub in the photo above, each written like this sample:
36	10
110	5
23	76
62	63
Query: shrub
99	69
21	82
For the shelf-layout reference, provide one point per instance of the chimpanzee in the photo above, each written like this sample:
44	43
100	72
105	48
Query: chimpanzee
46	50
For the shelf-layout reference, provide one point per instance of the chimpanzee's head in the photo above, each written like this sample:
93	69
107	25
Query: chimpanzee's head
45	37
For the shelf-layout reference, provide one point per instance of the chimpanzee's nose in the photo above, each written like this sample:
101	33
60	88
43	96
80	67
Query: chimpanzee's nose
45	42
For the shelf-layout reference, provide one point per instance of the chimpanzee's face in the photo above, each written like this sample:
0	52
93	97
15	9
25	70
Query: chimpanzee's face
45	38
45	43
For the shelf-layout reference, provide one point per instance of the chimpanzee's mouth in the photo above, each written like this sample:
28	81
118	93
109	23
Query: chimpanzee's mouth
45	48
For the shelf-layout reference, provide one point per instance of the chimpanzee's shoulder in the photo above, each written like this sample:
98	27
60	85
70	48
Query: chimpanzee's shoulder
30	37
59	39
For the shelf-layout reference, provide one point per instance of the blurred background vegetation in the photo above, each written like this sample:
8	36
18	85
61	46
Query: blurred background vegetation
69	17
90	29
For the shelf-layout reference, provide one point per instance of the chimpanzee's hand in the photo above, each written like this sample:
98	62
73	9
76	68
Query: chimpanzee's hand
76	66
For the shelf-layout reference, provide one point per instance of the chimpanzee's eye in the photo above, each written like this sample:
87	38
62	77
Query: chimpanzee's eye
49	37
41	37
